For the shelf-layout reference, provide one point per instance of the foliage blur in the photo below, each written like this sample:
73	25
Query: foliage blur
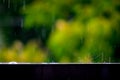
83	31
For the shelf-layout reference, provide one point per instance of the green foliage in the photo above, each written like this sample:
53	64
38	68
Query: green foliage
23	53
79	31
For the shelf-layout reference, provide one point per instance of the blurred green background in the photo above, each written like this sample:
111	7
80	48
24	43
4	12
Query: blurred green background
64	31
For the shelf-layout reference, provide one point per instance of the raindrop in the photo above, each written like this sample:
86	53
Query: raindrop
8	3
53	21
52	29
1	39
109	59
102	57
24	4
3	1
97	57
22	21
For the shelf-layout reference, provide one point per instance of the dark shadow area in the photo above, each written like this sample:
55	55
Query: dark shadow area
59	72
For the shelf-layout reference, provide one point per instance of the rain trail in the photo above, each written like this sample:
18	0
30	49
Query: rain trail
24	4
9	3
3	1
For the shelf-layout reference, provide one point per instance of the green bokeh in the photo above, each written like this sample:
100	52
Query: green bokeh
81	31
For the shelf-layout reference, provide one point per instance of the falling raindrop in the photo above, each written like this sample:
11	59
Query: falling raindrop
52	29
3	1
1	39
24	4
96	57
102	57
8	3
109	59
53	21
22	21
